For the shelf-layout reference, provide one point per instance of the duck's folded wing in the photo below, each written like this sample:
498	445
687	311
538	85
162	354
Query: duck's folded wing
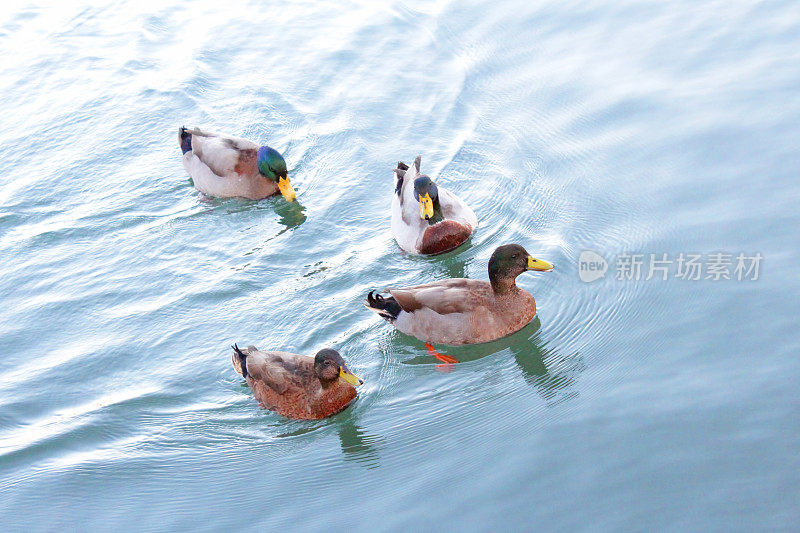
443	297
225	155
274	369
454	208
408	203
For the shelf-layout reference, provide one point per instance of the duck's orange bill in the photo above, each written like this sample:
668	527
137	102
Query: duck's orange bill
538	264
286	188
425	207
349	377
440	356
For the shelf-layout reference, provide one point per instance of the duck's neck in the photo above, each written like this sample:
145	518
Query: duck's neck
503	286
437	213
326	384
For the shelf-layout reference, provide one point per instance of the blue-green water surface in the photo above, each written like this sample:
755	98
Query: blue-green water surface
626	127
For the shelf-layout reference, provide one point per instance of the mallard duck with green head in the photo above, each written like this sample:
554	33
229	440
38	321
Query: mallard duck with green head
427	218
227	167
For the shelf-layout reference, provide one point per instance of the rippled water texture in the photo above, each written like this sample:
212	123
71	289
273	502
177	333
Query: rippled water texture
627	127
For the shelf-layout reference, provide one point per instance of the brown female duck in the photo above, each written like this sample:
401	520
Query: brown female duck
297	386
465	311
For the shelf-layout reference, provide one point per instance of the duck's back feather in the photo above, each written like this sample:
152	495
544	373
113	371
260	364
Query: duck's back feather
278	370
226	155
457	295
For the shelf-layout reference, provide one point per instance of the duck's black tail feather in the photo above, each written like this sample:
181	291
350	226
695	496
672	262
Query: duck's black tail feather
400	173
185	139
242	359
387	308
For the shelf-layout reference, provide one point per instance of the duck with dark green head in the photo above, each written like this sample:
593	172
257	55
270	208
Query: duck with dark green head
226	167
426	218
461	310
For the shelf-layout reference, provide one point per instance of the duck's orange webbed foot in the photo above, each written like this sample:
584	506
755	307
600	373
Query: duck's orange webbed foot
449	359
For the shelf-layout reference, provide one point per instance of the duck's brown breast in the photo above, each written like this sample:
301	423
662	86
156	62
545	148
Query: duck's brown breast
443	237
506	315
304	403
334	399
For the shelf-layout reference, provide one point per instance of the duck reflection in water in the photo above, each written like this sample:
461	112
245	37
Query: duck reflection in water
357	444
553	375
292	215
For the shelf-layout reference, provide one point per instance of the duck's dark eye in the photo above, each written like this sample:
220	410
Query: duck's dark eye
514	256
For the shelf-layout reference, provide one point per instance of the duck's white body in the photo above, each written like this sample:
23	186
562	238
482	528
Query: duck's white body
226	167
409	229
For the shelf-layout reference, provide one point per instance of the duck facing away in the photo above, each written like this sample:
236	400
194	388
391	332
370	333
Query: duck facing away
297	386
227	167
465	311
428	219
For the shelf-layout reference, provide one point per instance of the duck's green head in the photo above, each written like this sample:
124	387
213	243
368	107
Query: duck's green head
272	165
329	366
427	194
509	261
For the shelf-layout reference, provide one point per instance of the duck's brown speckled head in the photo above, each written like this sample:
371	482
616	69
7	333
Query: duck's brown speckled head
329	366
509	261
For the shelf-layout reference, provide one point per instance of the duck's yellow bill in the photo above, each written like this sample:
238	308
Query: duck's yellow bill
286	188
538	264
425	207
349	377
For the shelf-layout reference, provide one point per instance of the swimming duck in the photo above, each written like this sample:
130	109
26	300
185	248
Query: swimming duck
426	218
226	166
297	386
465	311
